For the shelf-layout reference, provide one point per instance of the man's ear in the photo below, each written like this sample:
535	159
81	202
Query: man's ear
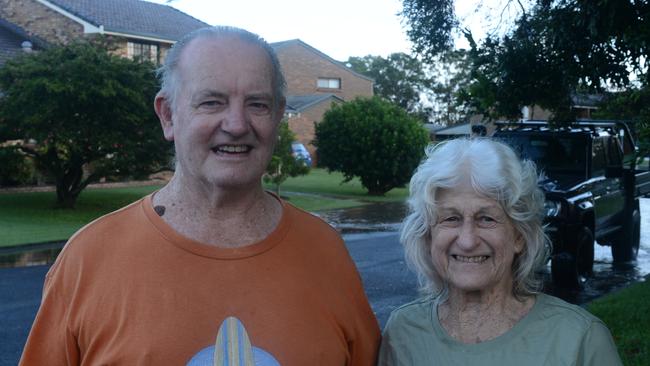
164	111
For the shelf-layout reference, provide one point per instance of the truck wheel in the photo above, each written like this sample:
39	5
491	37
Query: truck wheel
564	271
585	252
627	248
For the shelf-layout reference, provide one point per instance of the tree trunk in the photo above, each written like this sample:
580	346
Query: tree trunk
69	185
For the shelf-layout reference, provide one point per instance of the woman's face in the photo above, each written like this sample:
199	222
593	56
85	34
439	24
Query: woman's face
473	242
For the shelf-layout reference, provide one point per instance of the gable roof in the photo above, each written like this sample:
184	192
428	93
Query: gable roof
278	45
134	18
11	39
300	103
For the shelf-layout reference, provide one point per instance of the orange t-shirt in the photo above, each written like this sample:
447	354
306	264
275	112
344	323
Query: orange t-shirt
129	290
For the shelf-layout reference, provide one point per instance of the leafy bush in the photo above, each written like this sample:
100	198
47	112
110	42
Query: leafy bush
283	164
371	139
88	111
15	167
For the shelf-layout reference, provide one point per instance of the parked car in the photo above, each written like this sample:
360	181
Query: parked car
592	187
300	153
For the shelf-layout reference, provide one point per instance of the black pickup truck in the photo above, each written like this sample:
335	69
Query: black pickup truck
592	185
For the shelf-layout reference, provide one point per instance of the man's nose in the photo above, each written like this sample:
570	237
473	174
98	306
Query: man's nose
235	122
467	235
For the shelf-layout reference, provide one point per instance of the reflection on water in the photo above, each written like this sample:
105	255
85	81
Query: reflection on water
381	216
607	278
32	255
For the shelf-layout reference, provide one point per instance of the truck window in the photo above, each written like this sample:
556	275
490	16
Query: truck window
598	161
555	155
614	153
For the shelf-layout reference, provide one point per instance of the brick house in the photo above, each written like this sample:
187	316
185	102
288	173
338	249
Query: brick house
144	29
314	82
141	29
14	40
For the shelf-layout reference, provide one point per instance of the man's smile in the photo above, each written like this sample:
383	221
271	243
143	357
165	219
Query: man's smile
232	149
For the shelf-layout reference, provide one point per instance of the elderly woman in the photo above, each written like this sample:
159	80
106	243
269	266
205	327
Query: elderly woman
474	236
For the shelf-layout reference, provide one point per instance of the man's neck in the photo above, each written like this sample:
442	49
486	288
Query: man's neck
216	216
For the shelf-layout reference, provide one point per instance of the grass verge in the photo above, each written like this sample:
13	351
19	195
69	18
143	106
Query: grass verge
30	217
626	314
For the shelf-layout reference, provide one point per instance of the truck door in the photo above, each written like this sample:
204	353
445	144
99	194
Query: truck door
608	191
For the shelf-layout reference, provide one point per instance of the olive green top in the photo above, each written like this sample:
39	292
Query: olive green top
554	332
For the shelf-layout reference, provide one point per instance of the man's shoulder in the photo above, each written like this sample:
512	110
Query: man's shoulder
113	221
308	221
91	243
106	227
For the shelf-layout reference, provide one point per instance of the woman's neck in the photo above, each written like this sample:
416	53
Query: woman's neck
477	316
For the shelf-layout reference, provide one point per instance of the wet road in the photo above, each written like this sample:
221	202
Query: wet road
607	276
371	237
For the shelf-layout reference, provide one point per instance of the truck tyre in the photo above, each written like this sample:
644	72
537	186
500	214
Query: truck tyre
564	271
585	252
627	248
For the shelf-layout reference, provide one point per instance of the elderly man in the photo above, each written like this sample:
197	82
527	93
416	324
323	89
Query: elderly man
211	266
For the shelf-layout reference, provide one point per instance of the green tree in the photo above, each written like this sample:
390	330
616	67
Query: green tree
283	164
372	139
83	114
451	73
553	50
399	78
15	167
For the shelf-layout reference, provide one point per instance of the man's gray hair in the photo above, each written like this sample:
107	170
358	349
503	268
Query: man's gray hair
168	72
494	171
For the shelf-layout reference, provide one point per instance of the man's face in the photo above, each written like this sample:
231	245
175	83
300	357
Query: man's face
223	124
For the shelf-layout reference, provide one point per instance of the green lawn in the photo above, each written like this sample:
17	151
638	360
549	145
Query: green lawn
30	218
323	183
626	314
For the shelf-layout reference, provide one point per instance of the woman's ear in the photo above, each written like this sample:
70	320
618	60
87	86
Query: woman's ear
163	109
519	243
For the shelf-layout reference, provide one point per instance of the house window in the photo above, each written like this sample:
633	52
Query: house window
143	51
329	83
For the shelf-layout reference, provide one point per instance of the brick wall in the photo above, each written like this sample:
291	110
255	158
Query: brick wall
303	125
39	20
302	67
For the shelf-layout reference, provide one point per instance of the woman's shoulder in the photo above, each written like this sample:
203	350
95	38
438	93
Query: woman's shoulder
410	314
551	308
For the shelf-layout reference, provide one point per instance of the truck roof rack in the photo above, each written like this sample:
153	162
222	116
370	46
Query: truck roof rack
593	126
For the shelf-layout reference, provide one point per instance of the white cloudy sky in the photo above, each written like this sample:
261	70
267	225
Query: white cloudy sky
339	28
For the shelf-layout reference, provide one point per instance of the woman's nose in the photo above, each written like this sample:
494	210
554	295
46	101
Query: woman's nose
467	235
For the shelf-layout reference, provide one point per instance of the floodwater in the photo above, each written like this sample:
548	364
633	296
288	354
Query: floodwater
373	217
378	217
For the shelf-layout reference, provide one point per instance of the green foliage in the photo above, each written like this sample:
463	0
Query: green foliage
15	167
452	76
553	50
283	164
631	105
372	139
88	113
399	78
431	25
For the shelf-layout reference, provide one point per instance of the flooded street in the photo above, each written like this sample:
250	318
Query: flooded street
607	277
370	233
386	217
